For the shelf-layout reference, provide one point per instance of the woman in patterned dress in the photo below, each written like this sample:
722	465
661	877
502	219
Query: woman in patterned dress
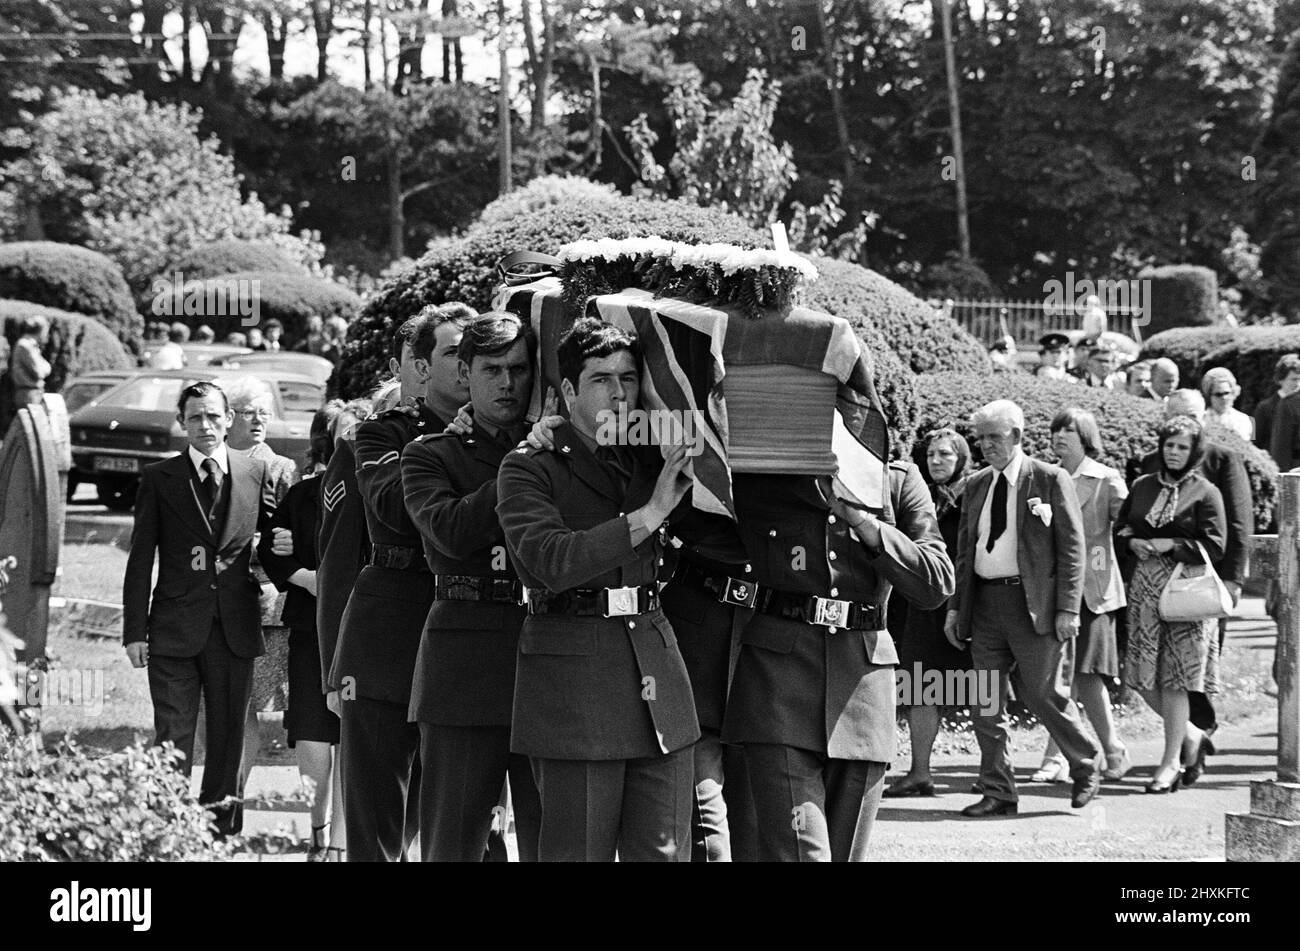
253	406
1168	518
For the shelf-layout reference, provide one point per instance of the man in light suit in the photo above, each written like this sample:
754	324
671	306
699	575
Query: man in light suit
1020	568
198	512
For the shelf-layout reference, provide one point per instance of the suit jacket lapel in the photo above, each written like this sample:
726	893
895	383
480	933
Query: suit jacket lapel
979	494
245	498
181	497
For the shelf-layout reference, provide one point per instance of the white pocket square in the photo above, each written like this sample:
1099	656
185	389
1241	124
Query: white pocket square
1043	510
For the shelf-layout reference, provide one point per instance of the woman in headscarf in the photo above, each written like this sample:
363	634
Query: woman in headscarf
947	459
1174	515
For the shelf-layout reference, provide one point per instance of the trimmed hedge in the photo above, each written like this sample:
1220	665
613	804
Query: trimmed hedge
1127	423
1252	357
925	340
1182	295
78	344
464	269
231	256
545	192
75	279
1263	473
1251	353
1186	346
290	298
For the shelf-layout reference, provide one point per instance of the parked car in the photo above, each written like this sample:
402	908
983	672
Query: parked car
282	361
124	429
88	387
196	354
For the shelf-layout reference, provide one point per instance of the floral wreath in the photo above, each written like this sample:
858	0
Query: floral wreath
752	279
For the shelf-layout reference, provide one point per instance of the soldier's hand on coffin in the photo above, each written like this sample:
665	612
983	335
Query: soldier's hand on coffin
463	424
863	523
137	652
540	435
282	542
673	482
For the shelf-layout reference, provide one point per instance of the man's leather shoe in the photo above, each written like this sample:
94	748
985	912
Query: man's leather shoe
988	806
1085	789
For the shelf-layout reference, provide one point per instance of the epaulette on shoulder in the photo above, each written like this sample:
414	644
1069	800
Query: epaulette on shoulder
430	437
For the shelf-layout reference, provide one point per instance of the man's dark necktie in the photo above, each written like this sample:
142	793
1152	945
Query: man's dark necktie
998	513
212	488
616	465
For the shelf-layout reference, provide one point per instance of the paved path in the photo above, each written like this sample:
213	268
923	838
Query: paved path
1122	824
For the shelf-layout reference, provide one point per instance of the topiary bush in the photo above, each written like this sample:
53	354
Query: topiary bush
925	340
1181	295
1262	471
545	192
1252	356
71	278
77	344
231	256
130	806
290	298
1186	346
463	269
958	279
896	387
1127	423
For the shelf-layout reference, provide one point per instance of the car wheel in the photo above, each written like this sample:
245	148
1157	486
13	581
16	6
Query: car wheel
118	494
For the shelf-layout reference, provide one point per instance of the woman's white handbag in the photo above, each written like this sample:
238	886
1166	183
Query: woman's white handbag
1195	599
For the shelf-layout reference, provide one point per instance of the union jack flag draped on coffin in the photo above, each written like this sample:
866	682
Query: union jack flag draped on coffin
690	351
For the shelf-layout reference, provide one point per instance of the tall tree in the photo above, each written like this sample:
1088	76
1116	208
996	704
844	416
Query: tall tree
322	21
1277	205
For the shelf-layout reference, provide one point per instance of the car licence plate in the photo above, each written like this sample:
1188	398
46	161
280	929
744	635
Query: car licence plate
116	464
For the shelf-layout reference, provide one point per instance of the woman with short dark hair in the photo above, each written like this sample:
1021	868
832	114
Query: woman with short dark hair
1172	516
1092	658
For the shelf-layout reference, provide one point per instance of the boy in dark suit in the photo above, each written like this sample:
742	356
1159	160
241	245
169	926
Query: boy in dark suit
602	704
198	512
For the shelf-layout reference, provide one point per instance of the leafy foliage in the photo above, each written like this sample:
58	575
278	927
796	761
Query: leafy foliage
290	298
545	192
957	279
131	806
723	158
1182	295
77	344
134	180
1278	194
229	256
70	278
1260	469
925	340
1186	346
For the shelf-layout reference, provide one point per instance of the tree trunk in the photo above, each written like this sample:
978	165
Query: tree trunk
187	58
223	28
396	216
597	137
322	20
954	109
275	42
367	14
151	46
531	66
831	64
503	105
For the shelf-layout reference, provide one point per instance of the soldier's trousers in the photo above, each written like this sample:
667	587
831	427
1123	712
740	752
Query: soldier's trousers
637	809
809	807
379	759
463	770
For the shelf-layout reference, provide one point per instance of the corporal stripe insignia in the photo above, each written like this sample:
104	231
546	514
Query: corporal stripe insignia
334	494
391	456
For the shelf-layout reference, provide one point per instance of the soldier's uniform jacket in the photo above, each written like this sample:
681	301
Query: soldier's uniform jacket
800	684
381	626
465	669
343	546
580	681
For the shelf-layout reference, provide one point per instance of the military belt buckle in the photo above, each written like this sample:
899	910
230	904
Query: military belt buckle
830	613
743	594
621	602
